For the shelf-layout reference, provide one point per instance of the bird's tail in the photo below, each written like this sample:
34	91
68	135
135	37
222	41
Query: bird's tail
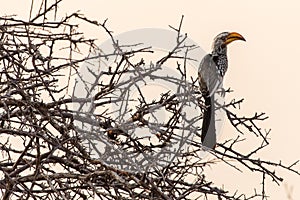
208	136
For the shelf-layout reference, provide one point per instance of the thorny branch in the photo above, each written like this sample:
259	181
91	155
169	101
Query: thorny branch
53	118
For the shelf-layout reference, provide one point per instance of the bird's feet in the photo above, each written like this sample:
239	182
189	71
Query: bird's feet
222	92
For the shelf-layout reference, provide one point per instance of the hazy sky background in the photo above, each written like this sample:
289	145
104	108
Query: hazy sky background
265	70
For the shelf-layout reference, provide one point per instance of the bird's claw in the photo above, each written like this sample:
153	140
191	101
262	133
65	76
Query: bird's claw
222	92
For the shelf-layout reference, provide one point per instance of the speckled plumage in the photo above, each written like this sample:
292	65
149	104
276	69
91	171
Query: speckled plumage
222	64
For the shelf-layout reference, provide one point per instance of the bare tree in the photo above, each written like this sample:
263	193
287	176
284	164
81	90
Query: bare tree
53	118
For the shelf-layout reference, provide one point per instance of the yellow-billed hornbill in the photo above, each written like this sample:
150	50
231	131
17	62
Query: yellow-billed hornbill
211	72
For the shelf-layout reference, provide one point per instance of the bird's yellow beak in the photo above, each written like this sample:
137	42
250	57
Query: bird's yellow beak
234	36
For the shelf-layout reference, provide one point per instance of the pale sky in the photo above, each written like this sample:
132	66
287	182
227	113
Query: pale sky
264	70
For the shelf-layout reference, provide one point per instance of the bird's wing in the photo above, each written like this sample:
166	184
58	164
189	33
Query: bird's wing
209	78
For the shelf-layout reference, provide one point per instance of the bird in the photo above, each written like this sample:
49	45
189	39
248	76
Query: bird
211	72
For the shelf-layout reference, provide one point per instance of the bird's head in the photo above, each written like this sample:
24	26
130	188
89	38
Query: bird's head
223	39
